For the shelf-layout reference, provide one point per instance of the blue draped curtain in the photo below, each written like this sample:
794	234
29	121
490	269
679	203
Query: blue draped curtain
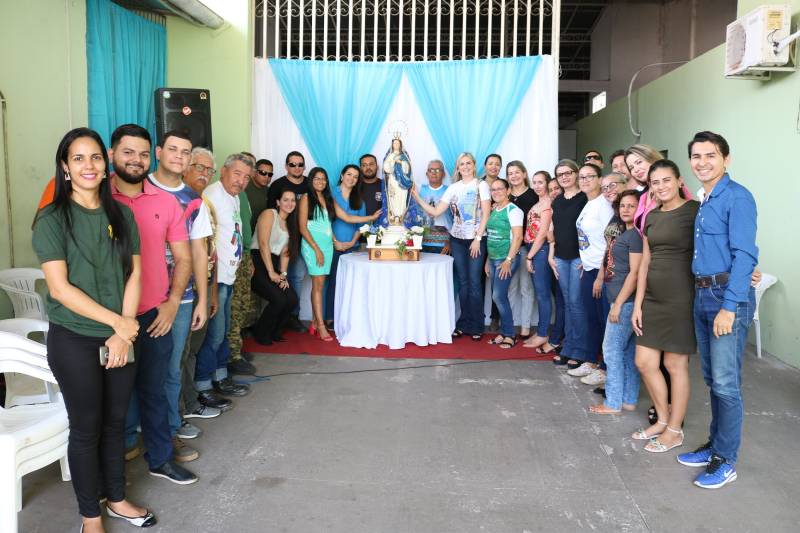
339	107
469	105
126	59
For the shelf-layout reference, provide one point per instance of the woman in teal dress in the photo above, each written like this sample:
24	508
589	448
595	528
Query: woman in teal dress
317	212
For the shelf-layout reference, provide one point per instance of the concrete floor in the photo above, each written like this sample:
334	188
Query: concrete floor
486	447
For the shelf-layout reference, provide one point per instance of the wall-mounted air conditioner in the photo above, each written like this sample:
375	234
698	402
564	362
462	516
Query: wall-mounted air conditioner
751	42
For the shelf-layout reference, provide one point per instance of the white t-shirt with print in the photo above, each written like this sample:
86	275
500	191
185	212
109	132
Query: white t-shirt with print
229	231
465	206
591	226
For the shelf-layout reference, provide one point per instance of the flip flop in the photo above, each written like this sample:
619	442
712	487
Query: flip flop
541	351
496	340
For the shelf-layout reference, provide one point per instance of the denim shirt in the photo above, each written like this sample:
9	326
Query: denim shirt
725	239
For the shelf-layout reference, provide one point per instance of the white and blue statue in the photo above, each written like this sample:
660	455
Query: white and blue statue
398	207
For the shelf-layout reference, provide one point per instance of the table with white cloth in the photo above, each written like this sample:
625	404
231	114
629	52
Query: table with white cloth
394	302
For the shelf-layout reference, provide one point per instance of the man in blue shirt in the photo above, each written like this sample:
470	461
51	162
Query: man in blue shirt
725	255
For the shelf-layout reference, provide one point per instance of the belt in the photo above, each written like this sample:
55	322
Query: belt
704	282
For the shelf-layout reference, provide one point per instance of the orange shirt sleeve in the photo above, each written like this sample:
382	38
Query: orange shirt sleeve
48	194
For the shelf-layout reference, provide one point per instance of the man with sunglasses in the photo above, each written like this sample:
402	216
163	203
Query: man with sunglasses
296	181
258	189
594	157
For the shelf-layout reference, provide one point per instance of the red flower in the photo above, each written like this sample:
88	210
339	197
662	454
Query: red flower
410	242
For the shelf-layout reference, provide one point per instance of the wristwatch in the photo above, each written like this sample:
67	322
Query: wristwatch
509	259
284	274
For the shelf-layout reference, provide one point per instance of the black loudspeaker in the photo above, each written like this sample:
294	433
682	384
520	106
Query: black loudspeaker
184	109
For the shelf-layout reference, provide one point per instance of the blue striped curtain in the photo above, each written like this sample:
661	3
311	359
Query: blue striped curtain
126	59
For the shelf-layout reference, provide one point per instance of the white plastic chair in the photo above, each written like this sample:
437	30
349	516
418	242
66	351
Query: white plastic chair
767	281
31	436
20	285
21	389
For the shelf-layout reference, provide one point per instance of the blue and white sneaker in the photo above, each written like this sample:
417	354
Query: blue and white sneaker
700	457
718	474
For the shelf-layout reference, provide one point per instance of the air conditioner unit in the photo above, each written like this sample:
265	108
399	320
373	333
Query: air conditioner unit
750	41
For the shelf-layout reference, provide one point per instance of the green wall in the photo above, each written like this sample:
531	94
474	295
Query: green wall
43	79
221	61
760	121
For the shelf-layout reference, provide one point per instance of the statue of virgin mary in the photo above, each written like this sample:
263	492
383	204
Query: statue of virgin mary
397	182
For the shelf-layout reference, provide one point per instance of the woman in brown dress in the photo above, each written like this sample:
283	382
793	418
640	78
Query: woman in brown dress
662	313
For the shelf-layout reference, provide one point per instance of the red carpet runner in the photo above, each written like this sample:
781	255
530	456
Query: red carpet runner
463	348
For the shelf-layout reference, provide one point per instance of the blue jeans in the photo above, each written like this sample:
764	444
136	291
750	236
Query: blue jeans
500	294
721	361
596	312
212	359
542	279
148	406
470	289
569	279
296	275
619	347
180	334
330	284
557	332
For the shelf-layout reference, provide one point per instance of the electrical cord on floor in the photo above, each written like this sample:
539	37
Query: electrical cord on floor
259	378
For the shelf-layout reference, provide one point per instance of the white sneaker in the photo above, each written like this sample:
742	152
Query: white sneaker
584	370
598	377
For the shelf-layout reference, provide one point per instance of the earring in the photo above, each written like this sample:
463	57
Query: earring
66	175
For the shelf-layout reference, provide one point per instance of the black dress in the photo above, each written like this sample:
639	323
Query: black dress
667	310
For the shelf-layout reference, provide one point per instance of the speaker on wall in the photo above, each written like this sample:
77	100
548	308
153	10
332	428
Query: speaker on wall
185	109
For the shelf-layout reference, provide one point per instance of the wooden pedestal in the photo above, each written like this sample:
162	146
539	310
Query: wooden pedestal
391	254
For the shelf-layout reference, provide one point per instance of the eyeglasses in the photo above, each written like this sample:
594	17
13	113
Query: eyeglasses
434	170
588	178
610	186
565	174
295	165
266	173
202	169
591	157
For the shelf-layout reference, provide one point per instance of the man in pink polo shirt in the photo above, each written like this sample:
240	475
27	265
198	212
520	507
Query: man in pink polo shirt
160	219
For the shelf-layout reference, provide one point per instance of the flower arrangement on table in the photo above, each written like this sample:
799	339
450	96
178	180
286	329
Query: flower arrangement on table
411	238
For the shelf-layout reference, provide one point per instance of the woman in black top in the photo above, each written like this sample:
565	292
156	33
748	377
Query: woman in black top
523	197
566	262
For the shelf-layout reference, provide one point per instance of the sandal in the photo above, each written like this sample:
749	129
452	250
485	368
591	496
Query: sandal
573	364
530	344
508	344
558	360
457	333
603	409
656	446
543	350
496	340
642	433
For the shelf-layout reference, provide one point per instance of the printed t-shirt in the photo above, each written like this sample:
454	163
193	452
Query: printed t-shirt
619	266
565	213
614	229
160	219
196	219
439	232
591	226
372	195
229	231
277	187
344	231
498	229
92	264
465	207
247	217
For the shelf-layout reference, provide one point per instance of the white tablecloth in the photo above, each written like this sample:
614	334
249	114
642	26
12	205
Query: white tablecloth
394	302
